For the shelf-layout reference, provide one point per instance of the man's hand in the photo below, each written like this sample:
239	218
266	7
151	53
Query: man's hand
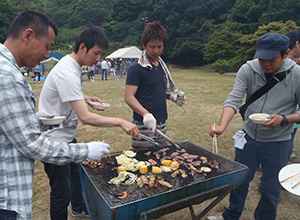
216	130
130	128
39	115
89	100
178	98
97	150
274	122
149	121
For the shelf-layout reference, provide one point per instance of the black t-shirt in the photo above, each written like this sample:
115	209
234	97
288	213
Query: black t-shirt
151	92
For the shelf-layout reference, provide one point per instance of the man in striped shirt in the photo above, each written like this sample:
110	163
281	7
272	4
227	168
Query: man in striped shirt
29	39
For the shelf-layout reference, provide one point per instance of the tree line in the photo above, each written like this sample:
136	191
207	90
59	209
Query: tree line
218	32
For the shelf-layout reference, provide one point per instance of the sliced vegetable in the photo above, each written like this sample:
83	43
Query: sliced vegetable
122	158
129	153
166	168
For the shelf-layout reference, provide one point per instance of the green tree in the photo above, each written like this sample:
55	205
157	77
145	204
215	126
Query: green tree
86	12
229	49
7	14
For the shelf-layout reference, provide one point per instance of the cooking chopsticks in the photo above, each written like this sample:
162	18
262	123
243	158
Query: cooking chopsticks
215	144
297	184
290	177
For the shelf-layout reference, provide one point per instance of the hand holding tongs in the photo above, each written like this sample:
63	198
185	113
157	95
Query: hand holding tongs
149	139
215	144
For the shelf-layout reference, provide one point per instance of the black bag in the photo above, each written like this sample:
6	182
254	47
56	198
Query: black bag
269	85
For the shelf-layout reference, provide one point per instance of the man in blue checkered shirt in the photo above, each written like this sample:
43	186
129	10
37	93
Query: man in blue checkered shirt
29	39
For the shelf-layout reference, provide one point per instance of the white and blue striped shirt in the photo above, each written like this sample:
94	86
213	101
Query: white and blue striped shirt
21	141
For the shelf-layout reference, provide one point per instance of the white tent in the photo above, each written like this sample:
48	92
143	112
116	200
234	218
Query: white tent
128	52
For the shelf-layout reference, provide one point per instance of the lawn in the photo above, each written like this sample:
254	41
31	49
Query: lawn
206	91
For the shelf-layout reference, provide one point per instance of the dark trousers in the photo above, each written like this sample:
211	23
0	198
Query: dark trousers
65	187
272	156
104	73
292	141
8	215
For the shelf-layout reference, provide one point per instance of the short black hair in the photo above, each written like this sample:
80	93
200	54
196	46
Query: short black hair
38	21
90	37
294	37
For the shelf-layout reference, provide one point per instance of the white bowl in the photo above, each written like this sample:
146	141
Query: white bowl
259	118
53	121
100	106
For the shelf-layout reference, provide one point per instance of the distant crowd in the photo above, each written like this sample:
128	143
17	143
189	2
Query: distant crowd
108	69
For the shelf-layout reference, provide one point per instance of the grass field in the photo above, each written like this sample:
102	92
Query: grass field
206	91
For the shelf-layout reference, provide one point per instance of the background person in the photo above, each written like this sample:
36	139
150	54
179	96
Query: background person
266	144
62	95
28	41
294	54
104	66
149	84
37	72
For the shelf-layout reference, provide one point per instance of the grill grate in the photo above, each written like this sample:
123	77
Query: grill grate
109	192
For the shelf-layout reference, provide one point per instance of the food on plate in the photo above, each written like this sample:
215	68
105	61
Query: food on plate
258	118
156	170
99	105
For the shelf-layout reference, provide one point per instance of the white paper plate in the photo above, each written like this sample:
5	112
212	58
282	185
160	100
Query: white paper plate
288	184
53	121
259	118
100	106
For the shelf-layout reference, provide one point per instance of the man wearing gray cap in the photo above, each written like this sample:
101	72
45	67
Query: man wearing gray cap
266	144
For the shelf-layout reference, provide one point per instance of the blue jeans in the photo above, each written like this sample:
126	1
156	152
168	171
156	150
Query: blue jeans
8	215
65	186
104	73
272	156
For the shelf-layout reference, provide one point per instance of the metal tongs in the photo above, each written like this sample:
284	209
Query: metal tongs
168	139
149	139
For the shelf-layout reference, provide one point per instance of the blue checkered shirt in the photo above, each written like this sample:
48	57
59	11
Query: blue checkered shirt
21	141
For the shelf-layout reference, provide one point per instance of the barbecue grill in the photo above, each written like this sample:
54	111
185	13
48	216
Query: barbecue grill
144	203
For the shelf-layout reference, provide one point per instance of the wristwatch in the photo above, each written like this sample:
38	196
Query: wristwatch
285	122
